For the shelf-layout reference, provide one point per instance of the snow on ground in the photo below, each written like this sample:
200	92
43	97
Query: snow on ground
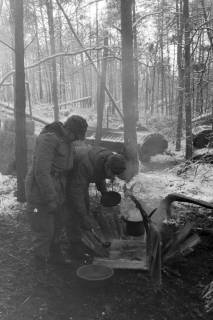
196	182
8	203
162	177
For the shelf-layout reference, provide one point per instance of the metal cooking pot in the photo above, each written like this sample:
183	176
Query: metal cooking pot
134	228
110	199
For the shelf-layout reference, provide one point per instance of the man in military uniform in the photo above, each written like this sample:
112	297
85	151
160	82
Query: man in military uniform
46	184
91	165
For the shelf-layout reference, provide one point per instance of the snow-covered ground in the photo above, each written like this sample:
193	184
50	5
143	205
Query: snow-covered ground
164	175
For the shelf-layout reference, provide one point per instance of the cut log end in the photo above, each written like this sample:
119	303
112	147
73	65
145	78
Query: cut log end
151	145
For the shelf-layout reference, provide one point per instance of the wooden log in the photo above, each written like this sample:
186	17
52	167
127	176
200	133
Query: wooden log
93	244
125	254
149	143
121	263
203	139
205	157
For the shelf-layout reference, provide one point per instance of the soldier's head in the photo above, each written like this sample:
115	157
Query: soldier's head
115	165
76	127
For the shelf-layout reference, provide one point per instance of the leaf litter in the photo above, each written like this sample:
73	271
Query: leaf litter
30	293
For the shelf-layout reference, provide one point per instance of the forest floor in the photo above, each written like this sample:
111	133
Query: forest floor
55	293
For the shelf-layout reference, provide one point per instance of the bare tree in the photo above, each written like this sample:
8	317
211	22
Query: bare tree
38	53
135	58
128	91
20	104
179	18
49	6
187	59
101	98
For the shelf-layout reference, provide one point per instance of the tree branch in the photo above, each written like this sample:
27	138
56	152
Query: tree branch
7	45
89	58
31	41
145	16
206	20
27	115
54	56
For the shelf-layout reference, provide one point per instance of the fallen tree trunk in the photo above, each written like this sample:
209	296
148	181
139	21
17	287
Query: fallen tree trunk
205	157
27	115
203	139
149	143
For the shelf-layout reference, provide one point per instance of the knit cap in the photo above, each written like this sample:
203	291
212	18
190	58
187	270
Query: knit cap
117	163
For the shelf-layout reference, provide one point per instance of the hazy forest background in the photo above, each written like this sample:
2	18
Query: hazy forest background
130	66
123	61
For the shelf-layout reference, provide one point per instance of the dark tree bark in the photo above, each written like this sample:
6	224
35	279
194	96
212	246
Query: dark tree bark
180	72
128	91
20	104
49	6
187	80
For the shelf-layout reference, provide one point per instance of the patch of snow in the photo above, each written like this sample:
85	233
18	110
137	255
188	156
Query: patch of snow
7	198
152	186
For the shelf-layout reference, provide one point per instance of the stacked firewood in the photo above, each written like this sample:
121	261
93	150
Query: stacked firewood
107	225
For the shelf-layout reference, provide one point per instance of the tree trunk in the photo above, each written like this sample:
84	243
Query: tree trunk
101	98
152	98
89	57
38	54
209	33
162	58
129	108
135	60
20	104
187	80
180	73
49	6
62	90
97	55
147	90
47	74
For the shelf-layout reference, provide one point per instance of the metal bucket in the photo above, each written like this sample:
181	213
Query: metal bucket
110	199
134	228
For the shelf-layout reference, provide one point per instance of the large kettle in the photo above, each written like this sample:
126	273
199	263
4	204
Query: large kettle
137	228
